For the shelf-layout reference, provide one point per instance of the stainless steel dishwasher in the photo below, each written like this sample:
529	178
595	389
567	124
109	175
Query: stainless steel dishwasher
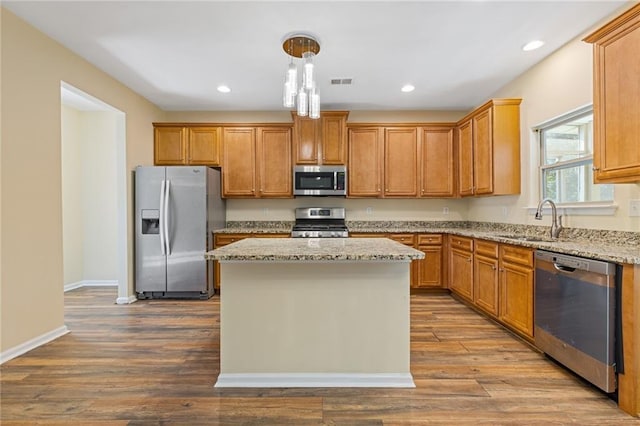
575	315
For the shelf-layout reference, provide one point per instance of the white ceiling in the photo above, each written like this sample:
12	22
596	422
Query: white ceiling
175	53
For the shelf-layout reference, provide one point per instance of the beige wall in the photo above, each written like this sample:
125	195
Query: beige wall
33	67
557	85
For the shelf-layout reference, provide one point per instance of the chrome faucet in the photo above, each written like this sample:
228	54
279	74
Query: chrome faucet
556	224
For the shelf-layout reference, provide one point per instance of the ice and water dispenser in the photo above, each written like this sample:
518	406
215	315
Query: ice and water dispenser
150	221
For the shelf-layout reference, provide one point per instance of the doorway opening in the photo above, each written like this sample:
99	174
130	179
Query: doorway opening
94	193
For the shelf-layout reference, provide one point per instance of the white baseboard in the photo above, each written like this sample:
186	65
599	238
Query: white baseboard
90	283
315	380
126	300
32	344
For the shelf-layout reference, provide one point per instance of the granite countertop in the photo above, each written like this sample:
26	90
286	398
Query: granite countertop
315	249
611	246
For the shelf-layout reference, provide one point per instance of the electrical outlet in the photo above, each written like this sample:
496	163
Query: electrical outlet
265	211
505	212
369	210
634	207
445	210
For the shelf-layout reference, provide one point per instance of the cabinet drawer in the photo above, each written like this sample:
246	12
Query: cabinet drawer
487	248
407	239
429	239
461	243
224	239
518	255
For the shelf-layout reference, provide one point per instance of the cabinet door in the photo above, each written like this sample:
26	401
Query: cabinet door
408	240
306	134
401	162
334	137
516	297
170	146
430	268
483	153
274	162
465	158
461	273
221	240
616	150
364	178
204	146
239	169
485	274
437	163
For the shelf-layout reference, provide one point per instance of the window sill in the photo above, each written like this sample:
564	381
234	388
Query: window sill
585	209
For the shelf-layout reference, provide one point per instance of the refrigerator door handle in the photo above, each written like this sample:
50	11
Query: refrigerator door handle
162	218
166	218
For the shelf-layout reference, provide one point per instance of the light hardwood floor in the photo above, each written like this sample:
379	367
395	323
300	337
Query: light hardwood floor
155	362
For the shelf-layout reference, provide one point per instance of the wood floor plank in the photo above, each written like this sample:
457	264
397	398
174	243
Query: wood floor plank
155	362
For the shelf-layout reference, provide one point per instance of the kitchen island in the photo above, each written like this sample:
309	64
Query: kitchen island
299	312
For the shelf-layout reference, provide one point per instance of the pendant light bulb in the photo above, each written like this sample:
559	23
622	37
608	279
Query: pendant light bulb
314	103
290	85
307	73
303	107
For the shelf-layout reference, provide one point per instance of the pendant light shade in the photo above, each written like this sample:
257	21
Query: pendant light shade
302	95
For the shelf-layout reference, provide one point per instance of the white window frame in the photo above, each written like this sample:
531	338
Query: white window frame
596	208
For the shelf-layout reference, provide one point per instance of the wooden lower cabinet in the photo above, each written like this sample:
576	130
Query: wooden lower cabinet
516	288
408	240
497	279
461	266
430	270
220	240
485	275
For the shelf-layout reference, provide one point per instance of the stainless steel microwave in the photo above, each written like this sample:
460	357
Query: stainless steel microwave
320	180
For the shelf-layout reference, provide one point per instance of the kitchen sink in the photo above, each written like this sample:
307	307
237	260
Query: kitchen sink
530	238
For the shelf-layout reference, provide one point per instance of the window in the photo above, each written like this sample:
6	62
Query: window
566	160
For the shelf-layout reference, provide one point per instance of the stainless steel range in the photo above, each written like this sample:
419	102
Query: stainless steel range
320	222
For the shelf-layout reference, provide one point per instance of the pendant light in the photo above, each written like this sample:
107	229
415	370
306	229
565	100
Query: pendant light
303	95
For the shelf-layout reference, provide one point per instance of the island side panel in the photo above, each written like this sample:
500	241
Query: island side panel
315	317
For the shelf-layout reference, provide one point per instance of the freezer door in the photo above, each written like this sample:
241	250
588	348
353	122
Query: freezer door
187	226
150	261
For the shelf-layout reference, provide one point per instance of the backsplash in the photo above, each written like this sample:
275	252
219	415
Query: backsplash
595	235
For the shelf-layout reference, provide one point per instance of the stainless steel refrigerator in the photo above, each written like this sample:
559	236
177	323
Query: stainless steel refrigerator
177	208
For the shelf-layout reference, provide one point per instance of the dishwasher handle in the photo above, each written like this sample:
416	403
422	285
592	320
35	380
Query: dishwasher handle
563	268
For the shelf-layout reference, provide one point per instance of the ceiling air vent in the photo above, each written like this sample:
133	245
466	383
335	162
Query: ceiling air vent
341	81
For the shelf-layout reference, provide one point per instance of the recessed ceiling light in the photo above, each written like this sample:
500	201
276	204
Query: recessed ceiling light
407	88
224	89
533	45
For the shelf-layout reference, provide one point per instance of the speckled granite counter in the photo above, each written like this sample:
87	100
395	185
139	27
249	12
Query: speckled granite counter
611	246
315	249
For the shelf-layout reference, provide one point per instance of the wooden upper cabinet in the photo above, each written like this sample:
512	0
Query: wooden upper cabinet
239	170
306	136
365	172
616	97
483	153
180	145
320	141
257	162
204	146
170	145
437	163
401	162
274	162
334	137
489	149
465	158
